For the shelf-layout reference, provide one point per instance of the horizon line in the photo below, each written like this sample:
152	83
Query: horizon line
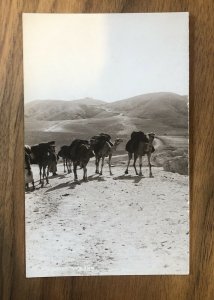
91	98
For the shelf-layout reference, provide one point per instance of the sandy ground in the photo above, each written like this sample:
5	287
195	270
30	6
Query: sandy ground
110	225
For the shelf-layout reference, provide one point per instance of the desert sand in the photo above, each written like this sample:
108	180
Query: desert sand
110	225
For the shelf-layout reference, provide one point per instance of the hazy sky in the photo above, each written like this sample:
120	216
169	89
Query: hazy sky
104	56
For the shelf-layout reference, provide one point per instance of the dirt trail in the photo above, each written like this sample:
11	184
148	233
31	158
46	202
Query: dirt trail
120	224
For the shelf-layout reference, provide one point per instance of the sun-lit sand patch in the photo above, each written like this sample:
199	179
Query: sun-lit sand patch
120	224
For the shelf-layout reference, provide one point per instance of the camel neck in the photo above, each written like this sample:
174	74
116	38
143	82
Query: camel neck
151	141
114	147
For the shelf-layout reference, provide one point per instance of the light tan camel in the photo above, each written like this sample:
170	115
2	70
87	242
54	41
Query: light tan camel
144	148
106	151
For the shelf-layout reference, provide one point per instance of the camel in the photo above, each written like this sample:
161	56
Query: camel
143	148
106	150
64	152
41	155
81	153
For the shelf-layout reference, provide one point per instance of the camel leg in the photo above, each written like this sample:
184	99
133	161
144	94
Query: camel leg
102	164
44	175
109	163
97	162
75	171
140	165
129	159
85	178
40	174
42	181
134	164
64	165
33	185
69	166
150	166
98	165
47	174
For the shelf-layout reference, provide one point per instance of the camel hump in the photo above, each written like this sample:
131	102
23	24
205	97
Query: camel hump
64	147
75	147
98	141
52	143
43	147
39	151
79	142
64	151
136	138
101	137
106	136
139	136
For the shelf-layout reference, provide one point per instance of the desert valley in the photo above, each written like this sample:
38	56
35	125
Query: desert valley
119	224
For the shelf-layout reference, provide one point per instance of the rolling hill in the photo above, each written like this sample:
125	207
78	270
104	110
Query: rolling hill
52	110
163	113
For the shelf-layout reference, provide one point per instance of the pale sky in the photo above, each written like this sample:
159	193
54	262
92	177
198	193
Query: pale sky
104	56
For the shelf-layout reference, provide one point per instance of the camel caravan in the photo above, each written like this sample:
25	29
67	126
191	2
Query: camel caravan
79	152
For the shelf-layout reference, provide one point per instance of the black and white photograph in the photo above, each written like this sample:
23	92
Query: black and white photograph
106	162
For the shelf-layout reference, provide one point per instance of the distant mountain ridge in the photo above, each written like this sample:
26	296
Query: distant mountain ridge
165	113
51	110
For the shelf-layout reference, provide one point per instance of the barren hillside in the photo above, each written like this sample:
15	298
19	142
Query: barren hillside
163	113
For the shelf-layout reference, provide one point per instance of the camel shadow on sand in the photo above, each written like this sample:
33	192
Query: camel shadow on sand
73	184
96	177
58	176
59	186
38	185
135	178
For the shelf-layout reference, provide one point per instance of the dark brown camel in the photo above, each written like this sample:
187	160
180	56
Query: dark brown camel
64	153
143	147
81	152
41	155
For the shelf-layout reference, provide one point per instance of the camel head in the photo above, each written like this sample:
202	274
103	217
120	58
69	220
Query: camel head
151	136
118	141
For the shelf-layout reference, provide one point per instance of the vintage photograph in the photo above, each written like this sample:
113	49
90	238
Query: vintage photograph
106	166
